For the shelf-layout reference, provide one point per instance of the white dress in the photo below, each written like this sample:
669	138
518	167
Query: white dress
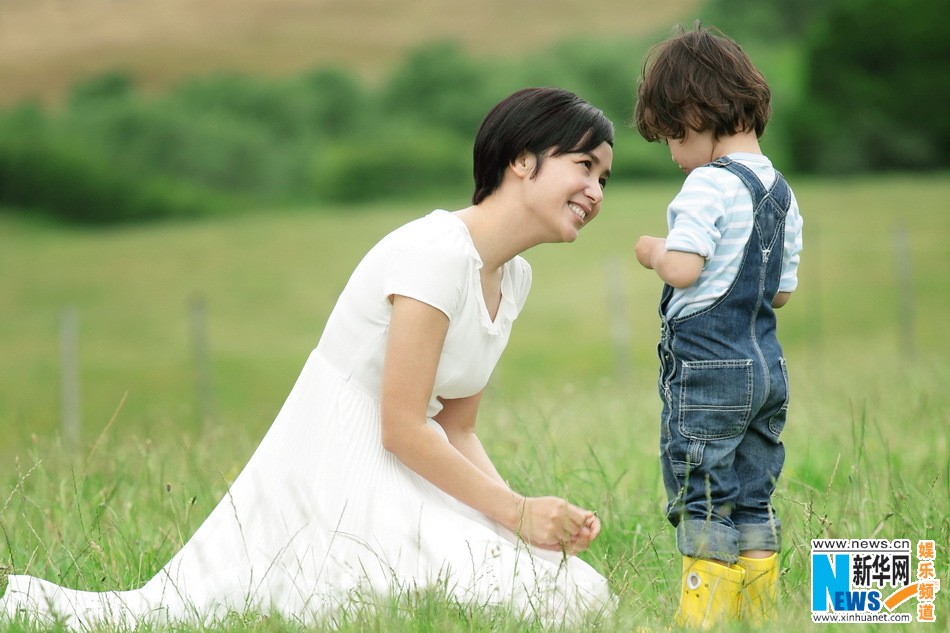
322	517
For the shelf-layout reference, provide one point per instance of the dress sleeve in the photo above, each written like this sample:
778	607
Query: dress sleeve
432	273
522	283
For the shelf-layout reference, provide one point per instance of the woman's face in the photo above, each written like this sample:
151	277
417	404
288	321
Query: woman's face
568	190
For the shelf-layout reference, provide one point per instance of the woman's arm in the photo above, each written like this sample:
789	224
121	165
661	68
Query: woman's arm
457	418
416	336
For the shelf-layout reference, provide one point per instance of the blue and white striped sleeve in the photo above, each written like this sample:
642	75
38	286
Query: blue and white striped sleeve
793	246
694	215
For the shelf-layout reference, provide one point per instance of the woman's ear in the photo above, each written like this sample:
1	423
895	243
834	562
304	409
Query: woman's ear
524	164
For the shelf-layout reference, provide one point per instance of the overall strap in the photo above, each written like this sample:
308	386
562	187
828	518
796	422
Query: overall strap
769	206
779	193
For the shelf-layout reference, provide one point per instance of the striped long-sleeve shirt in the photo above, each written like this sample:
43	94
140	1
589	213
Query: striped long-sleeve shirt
712	216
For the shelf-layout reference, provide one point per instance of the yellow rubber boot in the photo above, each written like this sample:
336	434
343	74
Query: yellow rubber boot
709	593
759	599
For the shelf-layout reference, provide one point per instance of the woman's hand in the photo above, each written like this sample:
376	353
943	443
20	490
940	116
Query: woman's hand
555	524
586	536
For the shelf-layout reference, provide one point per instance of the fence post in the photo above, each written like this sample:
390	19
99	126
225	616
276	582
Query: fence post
619	316
69	377
816	293
905	286
204	389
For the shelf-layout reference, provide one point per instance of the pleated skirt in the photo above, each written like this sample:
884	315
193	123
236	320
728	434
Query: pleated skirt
322	519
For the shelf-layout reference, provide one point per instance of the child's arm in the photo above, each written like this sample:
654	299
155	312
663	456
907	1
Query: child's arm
677	268
781	298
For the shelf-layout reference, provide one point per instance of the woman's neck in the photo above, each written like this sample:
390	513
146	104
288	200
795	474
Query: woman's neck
494	233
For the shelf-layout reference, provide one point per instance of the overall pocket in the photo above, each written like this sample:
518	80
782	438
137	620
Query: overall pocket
715	399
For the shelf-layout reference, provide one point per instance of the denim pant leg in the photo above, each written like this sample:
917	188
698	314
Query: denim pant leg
698	448
759	461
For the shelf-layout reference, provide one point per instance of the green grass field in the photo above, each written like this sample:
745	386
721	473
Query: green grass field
571	410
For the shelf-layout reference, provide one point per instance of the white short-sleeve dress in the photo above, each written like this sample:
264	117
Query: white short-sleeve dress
322	518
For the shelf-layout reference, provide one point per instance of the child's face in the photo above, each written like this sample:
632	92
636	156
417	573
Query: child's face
693	150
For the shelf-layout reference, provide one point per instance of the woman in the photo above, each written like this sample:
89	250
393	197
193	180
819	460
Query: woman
371	481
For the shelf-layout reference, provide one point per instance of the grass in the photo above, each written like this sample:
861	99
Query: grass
572	409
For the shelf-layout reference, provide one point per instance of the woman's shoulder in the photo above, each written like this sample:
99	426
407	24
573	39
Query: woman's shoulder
435	247
438	233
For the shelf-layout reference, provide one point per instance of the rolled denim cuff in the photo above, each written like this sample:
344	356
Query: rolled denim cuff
763	536
706	539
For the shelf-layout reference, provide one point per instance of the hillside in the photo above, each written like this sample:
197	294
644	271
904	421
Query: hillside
46	45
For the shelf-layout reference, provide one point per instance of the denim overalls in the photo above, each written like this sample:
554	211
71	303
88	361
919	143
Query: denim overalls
725	394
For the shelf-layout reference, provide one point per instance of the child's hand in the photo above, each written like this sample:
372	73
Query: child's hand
646	249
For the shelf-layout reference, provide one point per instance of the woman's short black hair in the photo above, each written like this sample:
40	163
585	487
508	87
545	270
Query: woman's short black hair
534	120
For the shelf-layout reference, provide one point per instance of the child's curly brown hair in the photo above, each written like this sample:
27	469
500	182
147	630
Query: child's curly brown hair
700	80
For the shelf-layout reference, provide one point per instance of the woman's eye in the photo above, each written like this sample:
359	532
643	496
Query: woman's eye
603	183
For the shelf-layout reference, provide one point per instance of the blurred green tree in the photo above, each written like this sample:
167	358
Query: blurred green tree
765	20
876	88
439	85
108	86
336	103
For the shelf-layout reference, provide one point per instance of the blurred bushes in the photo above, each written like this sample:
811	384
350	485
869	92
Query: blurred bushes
51	170
857	84
229	141
401	161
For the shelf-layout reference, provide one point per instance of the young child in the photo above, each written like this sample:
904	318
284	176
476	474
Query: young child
730	257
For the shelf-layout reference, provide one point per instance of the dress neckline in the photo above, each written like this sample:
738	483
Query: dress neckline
505	305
